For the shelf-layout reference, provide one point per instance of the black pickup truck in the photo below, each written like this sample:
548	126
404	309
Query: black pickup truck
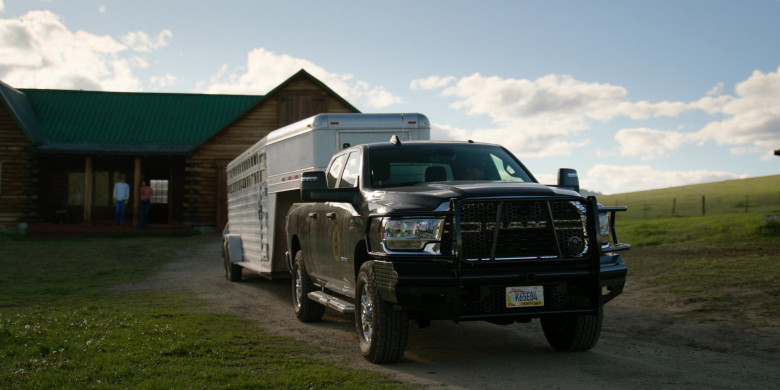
456	231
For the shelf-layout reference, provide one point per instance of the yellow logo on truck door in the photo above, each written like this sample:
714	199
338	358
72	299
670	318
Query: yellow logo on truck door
336	243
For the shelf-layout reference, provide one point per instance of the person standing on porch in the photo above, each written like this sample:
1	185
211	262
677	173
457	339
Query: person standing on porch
146	203
121	195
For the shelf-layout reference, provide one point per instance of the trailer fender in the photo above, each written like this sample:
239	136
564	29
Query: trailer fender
235	248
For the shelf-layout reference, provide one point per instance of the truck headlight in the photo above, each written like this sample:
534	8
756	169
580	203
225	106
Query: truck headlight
604	229
411	233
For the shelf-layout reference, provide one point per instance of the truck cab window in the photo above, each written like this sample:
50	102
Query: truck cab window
335	170
349	178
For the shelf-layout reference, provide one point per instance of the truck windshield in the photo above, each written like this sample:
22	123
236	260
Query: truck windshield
406	165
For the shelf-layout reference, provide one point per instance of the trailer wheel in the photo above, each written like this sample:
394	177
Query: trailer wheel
382	331
305	309
233	272
572	333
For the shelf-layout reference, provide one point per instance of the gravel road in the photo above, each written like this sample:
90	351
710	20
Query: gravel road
643	345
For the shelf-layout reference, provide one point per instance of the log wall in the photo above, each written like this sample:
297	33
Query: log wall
18	173
299	99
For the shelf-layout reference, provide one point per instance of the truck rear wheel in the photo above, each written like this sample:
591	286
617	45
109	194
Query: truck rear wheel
382	331
233	272
305	309
572	333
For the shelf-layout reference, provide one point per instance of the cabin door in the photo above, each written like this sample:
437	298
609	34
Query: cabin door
159	179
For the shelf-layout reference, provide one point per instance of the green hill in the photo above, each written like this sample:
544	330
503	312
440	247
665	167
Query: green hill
752	195
716	268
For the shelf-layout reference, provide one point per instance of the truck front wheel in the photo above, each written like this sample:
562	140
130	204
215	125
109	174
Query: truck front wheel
382	331
305	309
572	333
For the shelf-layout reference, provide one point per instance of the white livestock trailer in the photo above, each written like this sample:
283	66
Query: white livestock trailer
264	181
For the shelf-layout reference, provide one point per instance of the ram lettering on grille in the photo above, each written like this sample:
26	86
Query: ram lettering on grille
536	229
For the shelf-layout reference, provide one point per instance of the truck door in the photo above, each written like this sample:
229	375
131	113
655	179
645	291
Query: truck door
322	228
348	229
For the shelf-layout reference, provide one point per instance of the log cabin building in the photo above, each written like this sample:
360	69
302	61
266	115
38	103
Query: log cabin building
61	151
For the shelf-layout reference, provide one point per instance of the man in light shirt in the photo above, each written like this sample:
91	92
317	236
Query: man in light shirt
121	195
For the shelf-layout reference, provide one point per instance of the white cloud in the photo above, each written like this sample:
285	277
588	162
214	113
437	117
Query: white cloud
37	50
432	82
163	81
2	6
613	179
523	146
754	122
717	90
142	42
539	118
265	70
649	144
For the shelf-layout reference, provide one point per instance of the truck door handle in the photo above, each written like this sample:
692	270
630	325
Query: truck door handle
331	215
312	215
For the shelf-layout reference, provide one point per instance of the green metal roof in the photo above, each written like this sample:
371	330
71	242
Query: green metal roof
21	109
128	123
132	123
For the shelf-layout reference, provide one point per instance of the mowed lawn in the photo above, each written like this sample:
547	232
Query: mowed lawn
61	327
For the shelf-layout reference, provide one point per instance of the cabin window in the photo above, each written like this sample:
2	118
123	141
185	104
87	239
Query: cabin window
76	188
159	191
103	189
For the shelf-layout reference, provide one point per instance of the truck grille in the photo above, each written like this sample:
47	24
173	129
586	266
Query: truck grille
526	229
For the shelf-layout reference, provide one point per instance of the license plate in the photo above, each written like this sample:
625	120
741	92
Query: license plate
524	296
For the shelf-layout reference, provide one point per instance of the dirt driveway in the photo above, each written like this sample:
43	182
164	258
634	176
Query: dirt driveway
642	345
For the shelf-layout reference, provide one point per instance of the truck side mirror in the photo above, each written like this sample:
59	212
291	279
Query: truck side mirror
314	188
312	181
567	178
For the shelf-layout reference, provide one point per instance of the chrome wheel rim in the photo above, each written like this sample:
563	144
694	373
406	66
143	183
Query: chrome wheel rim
366	314
298	287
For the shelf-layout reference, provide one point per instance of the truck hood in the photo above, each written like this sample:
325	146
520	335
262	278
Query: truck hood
429	196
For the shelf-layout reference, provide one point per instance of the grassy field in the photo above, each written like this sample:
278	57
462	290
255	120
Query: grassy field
718	267
754	195
61	328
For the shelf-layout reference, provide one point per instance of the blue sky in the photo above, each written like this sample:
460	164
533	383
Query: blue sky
634	95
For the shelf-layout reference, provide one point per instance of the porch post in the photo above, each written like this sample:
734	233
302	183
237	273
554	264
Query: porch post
88	190
136	192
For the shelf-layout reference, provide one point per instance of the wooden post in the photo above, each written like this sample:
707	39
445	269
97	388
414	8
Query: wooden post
88	185
136	192
703	205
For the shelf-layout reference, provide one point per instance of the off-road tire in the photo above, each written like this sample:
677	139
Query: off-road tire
306	310
382	331
233	272
572	333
